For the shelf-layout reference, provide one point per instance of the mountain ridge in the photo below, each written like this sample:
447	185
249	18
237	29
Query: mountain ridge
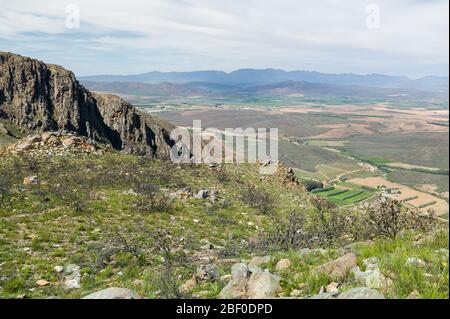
290	87
45	97
252	77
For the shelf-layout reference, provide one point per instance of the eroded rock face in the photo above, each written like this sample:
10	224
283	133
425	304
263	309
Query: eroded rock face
42	97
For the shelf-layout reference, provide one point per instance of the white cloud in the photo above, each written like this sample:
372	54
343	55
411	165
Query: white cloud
323	34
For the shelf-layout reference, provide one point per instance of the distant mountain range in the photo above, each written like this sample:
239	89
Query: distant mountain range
287	88
245	78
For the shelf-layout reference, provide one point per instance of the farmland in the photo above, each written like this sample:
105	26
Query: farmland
348	145
344	196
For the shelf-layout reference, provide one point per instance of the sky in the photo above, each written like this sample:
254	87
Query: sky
90	37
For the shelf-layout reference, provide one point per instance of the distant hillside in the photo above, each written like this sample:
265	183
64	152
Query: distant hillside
307	89
328	90
252	77
142	89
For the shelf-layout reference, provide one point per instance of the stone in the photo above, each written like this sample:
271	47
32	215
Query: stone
42	282
324	295
71	268
259	261
296	293
255	269
69	141
340	267
416	262
414	295
33	139
239	272
230	261
206	273
372	278
263	286
58	269
332	287
283	264
237	287
47	135
203	194
72	282
234	290
113	293
73	277
23	146
225	279
361	293
371	263
188	285
30	180
3	129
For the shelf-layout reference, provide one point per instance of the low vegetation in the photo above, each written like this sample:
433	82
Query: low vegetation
132	222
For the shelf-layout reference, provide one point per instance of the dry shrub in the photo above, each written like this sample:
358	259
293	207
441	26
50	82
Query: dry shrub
387	218
258	199
335	227
115	244
165	280
321	203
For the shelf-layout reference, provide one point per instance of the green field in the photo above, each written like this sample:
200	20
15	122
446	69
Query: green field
422	149
346	194
307	157
412	178
350	197
306	175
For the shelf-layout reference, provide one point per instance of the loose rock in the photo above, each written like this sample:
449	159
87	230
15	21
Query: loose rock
361	293
263	286
340	267
207	273
237	287
188	285
417	262
283	264
113	293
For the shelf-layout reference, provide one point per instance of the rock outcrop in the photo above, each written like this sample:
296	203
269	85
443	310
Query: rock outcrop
42	97
53	144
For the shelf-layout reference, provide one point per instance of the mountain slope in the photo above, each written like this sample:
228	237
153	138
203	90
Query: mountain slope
313	89
164	89
37	96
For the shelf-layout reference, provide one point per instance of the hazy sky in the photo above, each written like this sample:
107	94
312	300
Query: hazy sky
130	36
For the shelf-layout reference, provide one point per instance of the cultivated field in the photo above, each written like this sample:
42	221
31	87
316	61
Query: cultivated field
417	198
400	145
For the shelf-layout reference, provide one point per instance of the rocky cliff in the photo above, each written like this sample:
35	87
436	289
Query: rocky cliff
42	97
